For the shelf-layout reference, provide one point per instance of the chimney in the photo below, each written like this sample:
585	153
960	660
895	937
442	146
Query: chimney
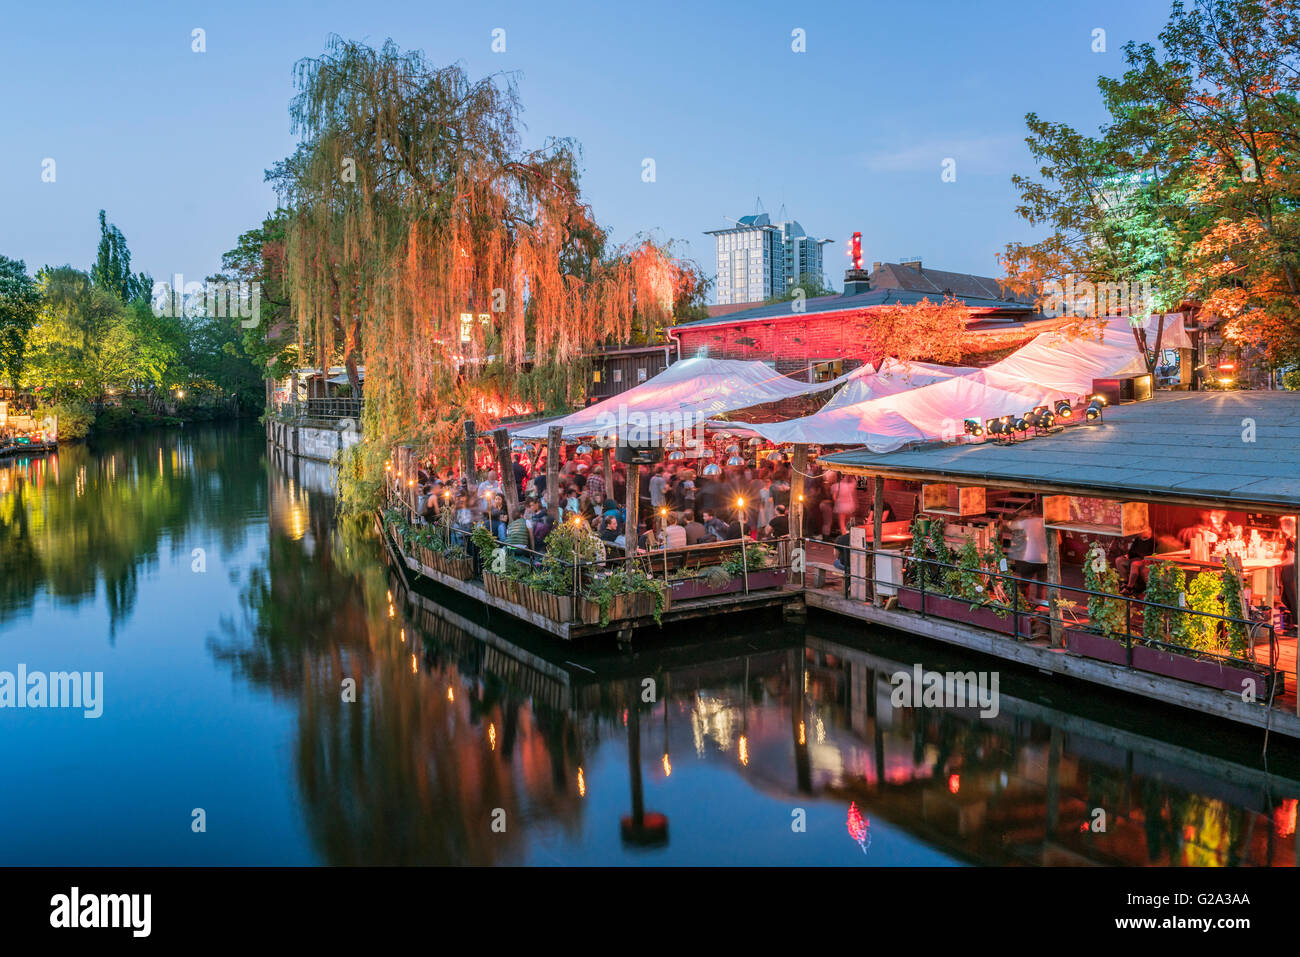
875	267
914	263
856	281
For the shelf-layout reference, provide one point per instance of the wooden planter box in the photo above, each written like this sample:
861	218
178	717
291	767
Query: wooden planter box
1212	674
1170	664
690	588
462	569
959	610
498	586
1087	644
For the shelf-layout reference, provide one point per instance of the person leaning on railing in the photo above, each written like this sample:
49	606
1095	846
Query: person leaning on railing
518	535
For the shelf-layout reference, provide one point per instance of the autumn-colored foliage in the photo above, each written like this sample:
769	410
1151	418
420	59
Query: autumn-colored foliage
1192	183
425	242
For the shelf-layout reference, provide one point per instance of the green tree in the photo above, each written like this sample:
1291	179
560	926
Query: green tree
807	286
20	302
112	268
81	342
1191	184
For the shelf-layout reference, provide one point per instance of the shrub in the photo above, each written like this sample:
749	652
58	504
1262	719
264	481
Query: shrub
75	419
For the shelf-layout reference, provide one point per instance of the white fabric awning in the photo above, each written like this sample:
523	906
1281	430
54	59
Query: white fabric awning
893	376
1050	368
684	396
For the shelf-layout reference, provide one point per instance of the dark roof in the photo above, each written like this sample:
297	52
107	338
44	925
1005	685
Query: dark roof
839	303
938	282
1180	446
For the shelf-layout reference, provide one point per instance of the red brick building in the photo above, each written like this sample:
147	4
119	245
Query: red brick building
824	335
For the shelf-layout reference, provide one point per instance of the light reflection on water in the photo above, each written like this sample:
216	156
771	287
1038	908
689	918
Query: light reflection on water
274	690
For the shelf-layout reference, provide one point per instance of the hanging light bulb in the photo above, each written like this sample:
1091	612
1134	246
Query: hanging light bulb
583	449
735	460
712	469
676	456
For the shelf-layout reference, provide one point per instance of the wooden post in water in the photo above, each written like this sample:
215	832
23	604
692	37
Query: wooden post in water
799	465
471	442
877	507
1274	648
508	485
553	471
1053	592
608	468
630	536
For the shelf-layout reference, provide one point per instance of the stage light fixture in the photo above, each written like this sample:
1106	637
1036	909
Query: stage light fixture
1063	409
973	427
1093	412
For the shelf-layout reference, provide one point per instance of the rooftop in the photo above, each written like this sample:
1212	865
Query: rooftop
895	284
1227	448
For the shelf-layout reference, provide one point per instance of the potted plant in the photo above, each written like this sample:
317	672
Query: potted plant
1102	635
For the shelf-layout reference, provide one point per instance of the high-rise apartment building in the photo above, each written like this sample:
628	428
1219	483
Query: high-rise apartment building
759	260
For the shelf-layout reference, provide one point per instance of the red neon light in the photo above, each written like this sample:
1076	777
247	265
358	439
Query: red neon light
856	250
857	824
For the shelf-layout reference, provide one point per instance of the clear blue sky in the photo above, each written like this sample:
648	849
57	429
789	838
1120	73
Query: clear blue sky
849	135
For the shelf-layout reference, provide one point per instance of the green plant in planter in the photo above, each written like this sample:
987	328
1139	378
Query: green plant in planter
627	581
552	580
928	542
1203	595
756	558
571	542
1237	639
1166	584
484	543
1105	615
966	581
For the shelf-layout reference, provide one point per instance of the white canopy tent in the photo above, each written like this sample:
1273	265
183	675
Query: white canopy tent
683	396
893	376
1052	367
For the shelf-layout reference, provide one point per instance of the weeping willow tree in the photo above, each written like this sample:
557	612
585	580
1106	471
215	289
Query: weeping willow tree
422	240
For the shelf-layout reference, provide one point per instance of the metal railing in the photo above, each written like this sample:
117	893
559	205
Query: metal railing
322	408
1001	592
676	568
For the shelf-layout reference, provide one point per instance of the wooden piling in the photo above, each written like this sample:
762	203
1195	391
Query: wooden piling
877	507
470	444
630	536
509	487
799	465
1053	591
553	471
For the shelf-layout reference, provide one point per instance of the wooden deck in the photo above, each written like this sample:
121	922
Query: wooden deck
1280	718
677	611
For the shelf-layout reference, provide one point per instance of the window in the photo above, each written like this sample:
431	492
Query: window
640	375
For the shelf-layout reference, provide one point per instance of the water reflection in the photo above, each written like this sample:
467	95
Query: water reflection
347	719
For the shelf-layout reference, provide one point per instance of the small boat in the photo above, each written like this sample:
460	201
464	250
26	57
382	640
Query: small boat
23	446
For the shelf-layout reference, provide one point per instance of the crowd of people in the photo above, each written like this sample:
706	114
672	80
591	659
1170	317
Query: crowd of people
680	503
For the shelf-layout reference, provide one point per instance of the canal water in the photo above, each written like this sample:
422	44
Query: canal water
273	694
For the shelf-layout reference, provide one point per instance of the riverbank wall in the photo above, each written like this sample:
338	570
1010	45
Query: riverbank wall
319	441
